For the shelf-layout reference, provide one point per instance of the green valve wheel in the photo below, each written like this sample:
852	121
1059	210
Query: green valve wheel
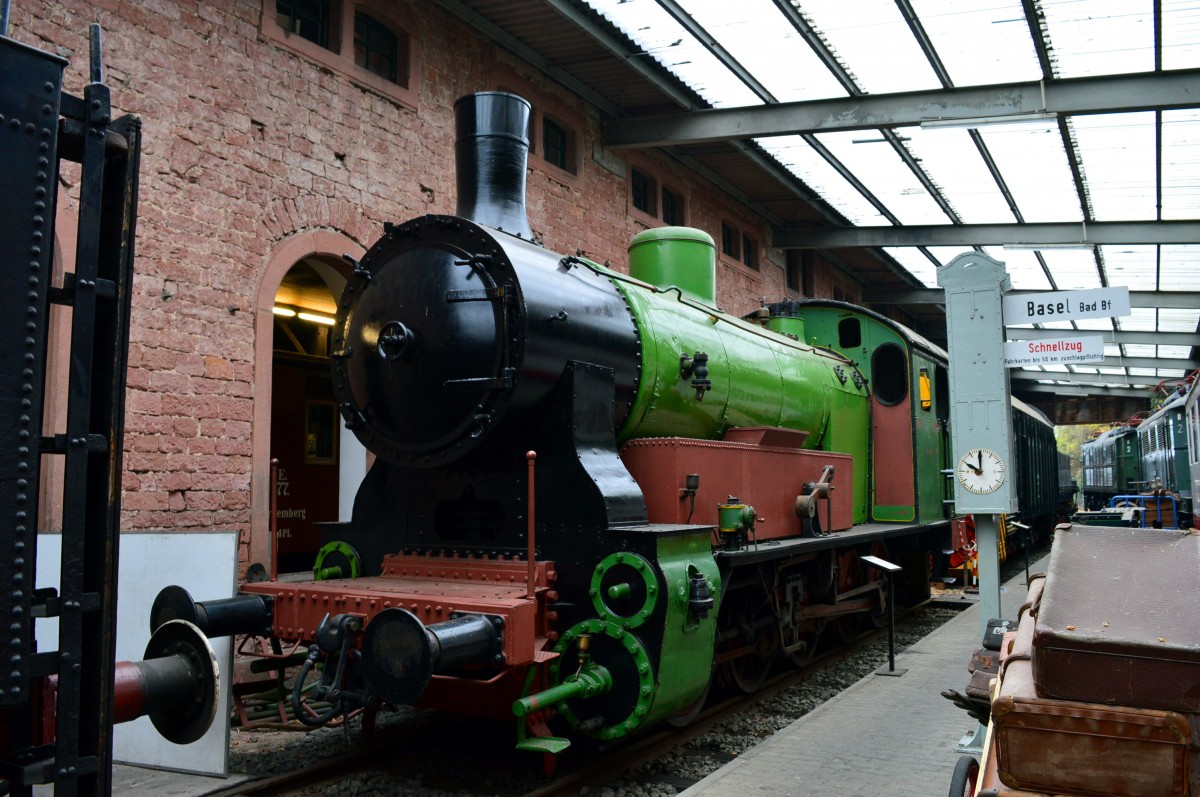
624	589
337	560
626	706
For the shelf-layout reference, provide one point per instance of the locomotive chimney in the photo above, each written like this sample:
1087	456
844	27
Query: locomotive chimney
490	153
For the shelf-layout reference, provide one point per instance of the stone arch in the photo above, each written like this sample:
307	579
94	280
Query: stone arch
287	251
286	218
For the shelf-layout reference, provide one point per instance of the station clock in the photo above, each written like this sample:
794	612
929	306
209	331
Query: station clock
981	471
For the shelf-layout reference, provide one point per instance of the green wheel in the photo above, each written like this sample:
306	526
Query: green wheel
622	710
337	560
624	589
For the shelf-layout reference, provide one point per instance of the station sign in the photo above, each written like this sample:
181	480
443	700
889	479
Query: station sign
1041	308
1054	351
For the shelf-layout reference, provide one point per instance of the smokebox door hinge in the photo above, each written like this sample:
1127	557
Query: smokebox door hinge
484	295
502	293
503	382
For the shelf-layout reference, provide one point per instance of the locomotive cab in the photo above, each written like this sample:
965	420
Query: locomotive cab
909	403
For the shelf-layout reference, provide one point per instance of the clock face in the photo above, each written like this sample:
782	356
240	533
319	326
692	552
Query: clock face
981	471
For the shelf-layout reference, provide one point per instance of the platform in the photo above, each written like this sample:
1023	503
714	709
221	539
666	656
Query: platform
893	736
131	781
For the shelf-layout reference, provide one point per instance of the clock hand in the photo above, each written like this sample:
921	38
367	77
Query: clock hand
980	471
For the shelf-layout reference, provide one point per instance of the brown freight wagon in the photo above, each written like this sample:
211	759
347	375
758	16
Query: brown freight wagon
1098	693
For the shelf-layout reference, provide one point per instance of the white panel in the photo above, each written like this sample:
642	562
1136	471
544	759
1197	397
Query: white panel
664	40
858	32
1024	270
1073	269
980	41
1170	320
1060	324
953	162
803	161
881	170
1105	324
1100	37
764	42
1140	319
1179	268
915	263
1133	265
352	468
1035	168
1181	35
1181	163
1065	305
203	563
1118	152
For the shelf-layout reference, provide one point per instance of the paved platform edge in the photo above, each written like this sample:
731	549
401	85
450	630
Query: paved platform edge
778	764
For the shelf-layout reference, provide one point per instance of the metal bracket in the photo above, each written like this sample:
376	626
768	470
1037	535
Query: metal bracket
484	295
475	261
104	289
59	443
973	742
360	271
503	382
498	623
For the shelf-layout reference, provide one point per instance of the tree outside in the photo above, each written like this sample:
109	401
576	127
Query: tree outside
1070	442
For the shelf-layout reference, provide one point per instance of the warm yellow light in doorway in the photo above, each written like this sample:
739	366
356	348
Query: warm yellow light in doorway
316	319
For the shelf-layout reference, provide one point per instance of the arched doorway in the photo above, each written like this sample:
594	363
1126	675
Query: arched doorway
318	469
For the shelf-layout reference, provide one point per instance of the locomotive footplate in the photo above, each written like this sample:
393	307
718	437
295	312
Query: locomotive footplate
864	533
840	582
435	589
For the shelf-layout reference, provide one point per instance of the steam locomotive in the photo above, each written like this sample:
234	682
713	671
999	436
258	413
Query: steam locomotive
595	493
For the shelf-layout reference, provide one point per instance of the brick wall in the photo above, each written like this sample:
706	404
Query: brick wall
246	143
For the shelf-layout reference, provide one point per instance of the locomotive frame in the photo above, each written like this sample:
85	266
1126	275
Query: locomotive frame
596	493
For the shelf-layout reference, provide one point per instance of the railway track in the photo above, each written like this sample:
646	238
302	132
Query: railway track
631	756
439	754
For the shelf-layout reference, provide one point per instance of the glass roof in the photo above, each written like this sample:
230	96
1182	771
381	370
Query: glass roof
1128	166
858	32
981	42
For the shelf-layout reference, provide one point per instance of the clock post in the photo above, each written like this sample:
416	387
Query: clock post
980	417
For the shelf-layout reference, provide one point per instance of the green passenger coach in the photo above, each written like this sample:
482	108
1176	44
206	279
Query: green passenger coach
909	403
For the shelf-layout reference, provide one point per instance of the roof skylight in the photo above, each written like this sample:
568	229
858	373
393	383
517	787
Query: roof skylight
1110	173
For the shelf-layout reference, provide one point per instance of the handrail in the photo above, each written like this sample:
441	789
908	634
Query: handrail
1139	502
